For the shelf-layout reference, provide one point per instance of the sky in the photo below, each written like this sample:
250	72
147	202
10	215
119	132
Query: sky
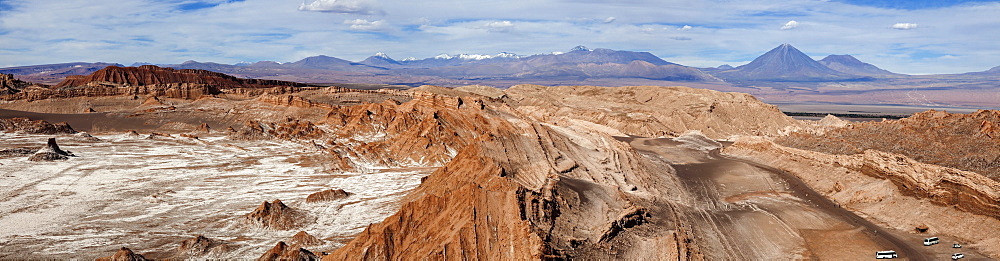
914	37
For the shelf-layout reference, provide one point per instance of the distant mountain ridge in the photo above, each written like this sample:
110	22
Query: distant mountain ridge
785	63
848	64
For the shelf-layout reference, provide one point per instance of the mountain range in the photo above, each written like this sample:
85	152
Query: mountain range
781	74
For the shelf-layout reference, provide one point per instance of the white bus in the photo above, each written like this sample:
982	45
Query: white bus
931	241
885	254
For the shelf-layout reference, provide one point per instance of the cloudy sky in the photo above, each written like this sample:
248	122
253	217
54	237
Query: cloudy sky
916	37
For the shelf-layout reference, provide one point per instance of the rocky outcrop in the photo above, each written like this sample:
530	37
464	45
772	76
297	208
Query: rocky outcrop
963	141
274	215
291	129
283	252
964	190
389	133
201	246
292	101
305	239
203	128
26	125
10	85
50	152
327	195
152	75
16	152
123	254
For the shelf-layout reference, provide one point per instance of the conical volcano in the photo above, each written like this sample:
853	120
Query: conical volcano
787	64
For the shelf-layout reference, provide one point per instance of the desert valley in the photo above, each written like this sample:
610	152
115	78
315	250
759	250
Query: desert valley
336	130
155	162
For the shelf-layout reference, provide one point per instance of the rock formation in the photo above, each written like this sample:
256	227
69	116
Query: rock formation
123	254
153	75
145	80
305	239
537	182
11	85
290	129
203	128
282	252
26	125
963	141
50	152
274	215
202	247
327	195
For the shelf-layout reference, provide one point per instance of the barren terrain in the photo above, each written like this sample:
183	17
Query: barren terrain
209	170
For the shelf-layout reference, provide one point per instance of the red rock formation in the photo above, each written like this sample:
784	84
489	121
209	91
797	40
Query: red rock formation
275	215
198	245
34	127
305	239
203	128
283	252
389	133
123	254
327	195
151	75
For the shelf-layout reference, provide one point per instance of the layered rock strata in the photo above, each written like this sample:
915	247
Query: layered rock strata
968	142
893	189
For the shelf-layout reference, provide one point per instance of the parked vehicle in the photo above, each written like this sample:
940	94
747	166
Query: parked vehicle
956	245
931	241
957	256
886	254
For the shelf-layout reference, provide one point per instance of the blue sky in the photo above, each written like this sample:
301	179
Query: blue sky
917	37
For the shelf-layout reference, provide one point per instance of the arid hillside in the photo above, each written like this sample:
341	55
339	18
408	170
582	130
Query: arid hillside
968	142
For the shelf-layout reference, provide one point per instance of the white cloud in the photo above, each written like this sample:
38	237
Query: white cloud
365	25
499	26
341	6
610	19
790	25
904	26
685	28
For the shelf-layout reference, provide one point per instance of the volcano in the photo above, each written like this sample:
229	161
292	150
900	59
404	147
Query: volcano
785	64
